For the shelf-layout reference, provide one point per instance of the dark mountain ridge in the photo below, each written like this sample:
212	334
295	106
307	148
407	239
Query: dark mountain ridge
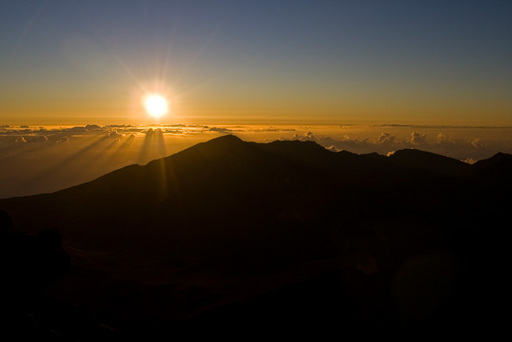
430	162
236	220
227	171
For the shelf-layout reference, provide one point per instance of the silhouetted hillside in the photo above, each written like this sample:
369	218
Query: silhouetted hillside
430	162
203	237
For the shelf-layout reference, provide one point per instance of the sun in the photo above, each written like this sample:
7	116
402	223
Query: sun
156	105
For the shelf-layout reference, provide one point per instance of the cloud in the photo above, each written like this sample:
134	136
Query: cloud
385	139
468	149
333	148
78	129
93	127
114	135
458	142
441	138
63	140
418	139
149	132
271	129
8	133
41	139
220	129
307	136
477	143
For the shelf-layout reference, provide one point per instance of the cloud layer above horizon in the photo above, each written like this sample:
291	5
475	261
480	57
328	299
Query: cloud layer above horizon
45	159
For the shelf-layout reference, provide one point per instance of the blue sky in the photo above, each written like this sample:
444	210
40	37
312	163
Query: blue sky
242	61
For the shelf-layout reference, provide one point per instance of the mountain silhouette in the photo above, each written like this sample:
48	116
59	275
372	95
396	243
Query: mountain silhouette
205	236
430	162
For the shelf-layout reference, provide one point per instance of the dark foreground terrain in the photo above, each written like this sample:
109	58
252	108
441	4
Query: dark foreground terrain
237	239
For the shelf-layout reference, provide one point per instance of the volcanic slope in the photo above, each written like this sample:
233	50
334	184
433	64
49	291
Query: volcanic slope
227	220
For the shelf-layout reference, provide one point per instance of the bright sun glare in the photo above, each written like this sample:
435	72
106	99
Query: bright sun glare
156	105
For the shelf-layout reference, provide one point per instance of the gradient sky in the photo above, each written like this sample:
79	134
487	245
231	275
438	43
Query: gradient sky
431	62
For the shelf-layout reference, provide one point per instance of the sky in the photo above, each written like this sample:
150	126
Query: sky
362	76
257	62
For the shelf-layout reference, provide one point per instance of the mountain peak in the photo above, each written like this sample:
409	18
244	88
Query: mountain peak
501	157
227	137
215	147
224	140
497	166
428	161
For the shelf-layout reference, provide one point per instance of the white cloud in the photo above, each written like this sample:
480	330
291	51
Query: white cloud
418	139
385	138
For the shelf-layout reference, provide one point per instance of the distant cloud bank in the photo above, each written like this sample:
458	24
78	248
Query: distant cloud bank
45	159
462	146
472	143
